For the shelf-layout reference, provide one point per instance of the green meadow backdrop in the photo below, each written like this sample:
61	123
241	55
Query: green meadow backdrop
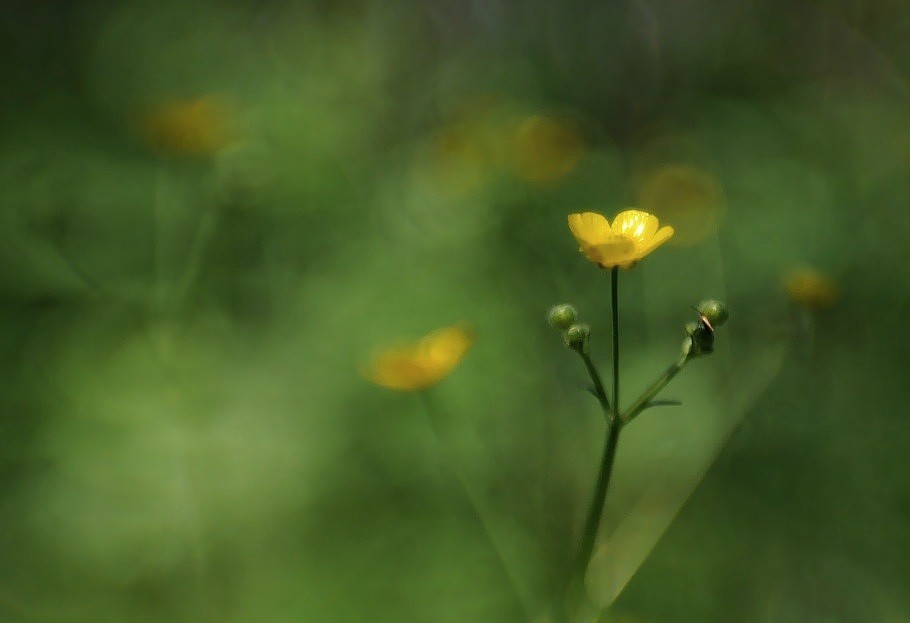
213	213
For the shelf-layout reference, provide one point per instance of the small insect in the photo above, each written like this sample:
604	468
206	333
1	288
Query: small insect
705	323
701	334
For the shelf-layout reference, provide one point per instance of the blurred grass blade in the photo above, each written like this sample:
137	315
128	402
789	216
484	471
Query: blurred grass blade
646	502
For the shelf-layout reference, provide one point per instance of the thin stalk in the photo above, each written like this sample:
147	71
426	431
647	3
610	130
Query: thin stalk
158	227
614	304
589	536
608	458
204	230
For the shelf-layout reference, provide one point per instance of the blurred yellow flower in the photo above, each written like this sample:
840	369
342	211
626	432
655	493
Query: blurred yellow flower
546	149
417	366
633	235
192	127
809	288
489	137
691	198
456	160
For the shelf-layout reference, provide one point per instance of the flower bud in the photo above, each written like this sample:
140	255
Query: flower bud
561	316
687	346
701	338
576	336
715	311
703	342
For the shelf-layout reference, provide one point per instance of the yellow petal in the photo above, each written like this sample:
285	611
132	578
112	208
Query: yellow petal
590	228
400	370
444	348
420	365
616	251
635	224
663	234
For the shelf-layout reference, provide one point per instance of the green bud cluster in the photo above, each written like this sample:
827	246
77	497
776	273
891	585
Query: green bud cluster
576	336
715	311
712	314
564	318
701	339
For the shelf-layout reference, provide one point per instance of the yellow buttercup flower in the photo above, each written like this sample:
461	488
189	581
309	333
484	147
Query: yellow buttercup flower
633	235
809	288
417	366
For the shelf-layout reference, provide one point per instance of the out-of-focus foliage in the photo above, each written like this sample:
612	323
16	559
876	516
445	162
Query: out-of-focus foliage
212	213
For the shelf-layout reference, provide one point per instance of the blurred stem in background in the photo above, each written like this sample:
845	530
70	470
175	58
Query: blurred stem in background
172	288
188	130
434	416
158	236
203	234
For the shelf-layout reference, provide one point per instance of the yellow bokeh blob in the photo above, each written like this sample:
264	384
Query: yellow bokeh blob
809	288
545	149
422	364
197	127
688	197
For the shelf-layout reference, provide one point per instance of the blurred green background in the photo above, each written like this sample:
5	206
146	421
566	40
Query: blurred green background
213	213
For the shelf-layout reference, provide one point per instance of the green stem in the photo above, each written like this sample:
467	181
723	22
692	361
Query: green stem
204	230
589	536
654	389
614	304
608	458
